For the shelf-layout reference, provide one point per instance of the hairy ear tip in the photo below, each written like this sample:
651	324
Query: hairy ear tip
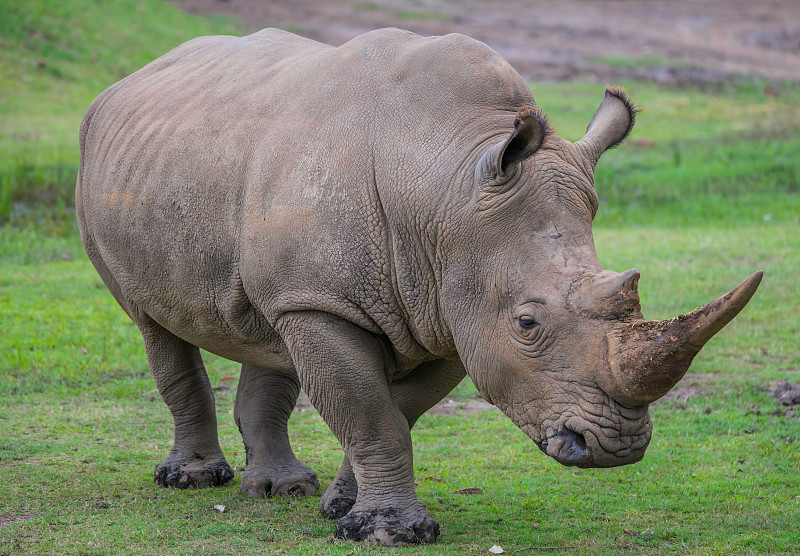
526	113
620	94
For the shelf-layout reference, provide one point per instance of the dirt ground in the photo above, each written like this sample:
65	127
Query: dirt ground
447	406
671	41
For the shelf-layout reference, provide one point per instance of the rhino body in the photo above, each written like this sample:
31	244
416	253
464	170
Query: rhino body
369	222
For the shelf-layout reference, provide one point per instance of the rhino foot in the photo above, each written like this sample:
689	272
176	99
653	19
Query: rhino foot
339	498
279	483
336	507
194	474
388	527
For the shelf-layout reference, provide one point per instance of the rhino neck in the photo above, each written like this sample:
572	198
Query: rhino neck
426	210
416	246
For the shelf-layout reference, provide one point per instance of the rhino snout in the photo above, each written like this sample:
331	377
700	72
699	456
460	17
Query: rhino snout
595	447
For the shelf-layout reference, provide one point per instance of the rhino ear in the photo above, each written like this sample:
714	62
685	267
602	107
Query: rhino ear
499	161
611	124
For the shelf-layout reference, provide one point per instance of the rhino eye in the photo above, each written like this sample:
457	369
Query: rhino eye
528	322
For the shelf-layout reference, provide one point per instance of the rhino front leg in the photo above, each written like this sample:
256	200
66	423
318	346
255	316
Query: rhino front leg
342	369
195	460
414	395
264	402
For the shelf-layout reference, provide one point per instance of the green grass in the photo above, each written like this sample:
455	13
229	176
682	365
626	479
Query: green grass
82	427
703	193
55	57
693	157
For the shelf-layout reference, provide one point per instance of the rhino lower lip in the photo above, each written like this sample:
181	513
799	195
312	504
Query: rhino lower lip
542	445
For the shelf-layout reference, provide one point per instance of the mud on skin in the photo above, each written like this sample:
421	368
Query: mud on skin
193	475
339	504
386	527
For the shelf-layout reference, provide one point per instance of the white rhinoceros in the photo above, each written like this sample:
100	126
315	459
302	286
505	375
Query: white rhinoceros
369	222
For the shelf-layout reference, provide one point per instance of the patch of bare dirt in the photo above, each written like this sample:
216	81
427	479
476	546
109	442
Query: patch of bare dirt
8	519
672	41
786	393
444	407
683	393
303	403
452	407
691	386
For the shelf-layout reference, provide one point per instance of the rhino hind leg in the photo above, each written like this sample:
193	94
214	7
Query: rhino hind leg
196	460
414	395
341	494
264	402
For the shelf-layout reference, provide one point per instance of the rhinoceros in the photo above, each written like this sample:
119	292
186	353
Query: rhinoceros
369	222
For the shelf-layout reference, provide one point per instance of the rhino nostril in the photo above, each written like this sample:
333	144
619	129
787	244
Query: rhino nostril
580	442
568	448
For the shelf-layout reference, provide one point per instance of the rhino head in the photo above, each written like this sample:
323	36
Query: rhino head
558	343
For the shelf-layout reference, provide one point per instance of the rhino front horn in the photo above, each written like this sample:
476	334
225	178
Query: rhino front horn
648	358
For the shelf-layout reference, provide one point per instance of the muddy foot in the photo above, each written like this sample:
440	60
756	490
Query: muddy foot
298	480
197	473
336	506
388	527
339	498
341	494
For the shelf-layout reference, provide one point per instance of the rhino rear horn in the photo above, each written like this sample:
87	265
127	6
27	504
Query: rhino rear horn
498	162
648	358
610	295
611	124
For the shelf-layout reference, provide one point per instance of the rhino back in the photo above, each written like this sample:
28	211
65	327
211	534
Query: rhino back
236	179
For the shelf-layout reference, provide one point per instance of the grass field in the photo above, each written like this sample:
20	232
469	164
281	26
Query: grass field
703	193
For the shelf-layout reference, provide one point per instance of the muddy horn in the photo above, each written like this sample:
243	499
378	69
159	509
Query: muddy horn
649	357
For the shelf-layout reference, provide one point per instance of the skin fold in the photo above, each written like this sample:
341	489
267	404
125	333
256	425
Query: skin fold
368	223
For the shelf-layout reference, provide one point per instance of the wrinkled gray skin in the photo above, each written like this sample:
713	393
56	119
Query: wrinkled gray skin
366	222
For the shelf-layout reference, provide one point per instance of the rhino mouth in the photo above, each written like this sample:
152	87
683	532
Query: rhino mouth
598	434
576	443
